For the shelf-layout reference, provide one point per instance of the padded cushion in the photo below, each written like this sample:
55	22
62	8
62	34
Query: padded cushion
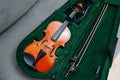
11	10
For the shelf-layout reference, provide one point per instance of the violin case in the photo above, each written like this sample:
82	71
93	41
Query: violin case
98	56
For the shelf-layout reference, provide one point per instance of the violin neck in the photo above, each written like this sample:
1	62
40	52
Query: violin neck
59	31
63	26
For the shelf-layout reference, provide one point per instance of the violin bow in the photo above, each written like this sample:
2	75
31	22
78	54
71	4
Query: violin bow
87	42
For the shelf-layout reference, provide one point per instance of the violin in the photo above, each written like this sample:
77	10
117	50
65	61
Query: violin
40	55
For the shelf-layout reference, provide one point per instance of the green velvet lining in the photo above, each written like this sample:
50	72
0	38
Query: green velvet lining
115	2
96	54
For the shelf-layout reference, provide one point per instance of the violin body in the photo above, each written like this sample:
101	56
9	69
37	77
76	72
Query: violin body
47	47
41	55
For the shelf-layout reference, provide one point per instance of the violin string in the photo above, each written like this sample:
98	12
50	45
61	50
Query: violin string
59	67
80	33
78	36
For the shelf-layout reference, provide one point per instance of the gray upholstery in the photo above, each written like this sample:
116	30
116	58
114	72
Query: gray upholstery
11	10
